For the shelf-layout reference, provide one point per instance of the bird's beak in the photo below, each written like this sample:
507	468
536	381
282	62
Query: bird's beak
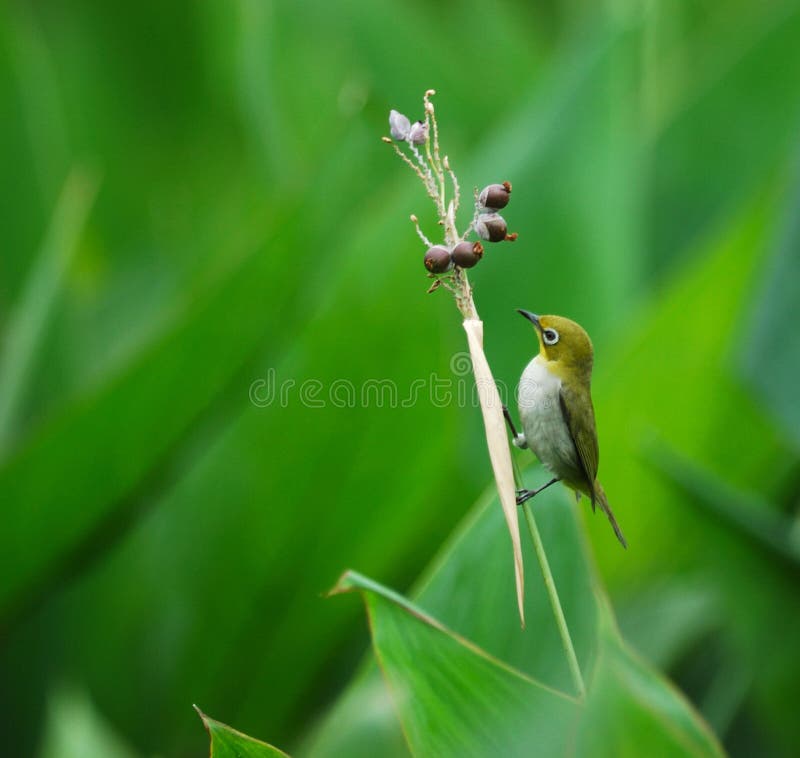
532	317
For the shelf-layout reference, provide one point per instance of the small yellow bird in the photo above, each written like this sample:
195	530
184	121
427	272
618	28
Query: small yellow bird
555	406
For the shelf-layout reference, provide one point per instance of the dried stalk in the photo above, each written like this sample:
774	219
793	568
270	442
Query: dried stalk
434	170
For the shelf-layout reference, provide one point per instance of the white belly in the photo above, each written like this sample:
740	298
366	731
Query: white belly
543	423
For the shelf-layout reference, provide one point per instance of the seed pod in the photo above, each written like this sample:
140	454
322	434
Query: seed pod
495	196
491	226
418	133
467	254
437	259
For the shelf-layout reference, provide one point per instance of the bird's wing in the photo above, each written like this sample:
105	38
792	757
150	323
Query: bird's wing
577	403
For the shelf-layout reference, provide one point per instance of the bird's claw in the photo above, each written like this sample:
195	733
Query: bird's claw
523	496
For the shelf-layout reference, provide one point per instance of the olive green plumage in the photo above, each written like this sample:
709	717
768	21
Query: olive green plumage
555	402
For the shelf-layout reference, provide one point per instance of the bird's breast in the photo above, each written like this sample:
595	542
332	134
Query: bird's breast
543	422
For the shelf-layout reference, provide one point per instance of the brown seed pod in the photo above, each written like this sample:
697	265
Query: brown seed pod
437	259
491	227
495	196
467	254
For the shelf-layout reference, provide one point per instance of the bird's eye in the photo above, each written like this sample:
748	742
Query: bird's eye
550	336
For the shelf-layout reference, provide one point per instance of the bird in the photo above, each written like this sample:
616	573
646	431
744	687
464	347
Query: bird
555	407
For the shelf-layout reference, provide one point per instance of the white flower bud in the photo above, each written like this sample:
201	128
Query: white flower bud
419	133
399	125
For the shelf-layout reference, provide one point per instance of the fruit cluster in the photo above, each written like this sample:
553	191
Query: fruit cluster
488	224
420	151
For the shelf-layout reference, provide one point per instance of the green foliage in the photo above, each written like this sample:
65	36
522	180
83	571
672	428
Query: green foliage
451	697
467	680
74	729
228	743
773	340
247	218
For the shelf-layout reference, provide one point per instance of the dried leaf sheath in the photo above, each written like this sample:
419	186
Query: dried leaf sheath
499	453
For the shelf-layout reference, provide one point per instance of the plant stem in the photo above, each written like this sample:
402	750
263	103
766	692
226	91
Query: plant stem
558	612
552	592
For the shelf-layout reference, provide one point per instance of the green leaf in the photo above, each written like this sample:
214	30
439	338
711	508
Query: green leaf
75	728
771	359
743	512
361	723
55	499
452	693
632	711
705	162
226	742
23	335
452	697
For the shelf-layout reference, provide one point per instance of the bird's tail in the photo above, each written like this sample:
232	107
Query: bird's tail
602	501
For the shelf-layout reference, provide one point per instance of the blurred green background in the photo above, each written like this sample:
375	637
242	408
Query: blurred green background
195	195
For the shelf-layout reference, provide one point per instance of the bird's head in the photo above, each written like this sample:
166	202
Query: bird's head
562	341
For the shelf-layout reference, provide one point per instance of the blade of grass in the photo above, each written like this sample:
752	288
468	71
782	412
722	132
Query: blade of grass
552	590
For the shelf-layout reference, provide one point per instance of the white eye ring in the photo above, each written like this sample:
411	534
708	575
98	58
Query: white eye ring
550	336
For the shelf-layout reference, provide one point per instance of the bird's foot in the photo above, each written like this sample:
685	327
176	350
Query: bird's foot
524	495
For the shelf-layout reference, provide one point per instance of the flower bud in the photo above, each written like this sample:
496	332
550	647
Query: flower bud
437	259
399	125
495	196
467	254
418	133
491	226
